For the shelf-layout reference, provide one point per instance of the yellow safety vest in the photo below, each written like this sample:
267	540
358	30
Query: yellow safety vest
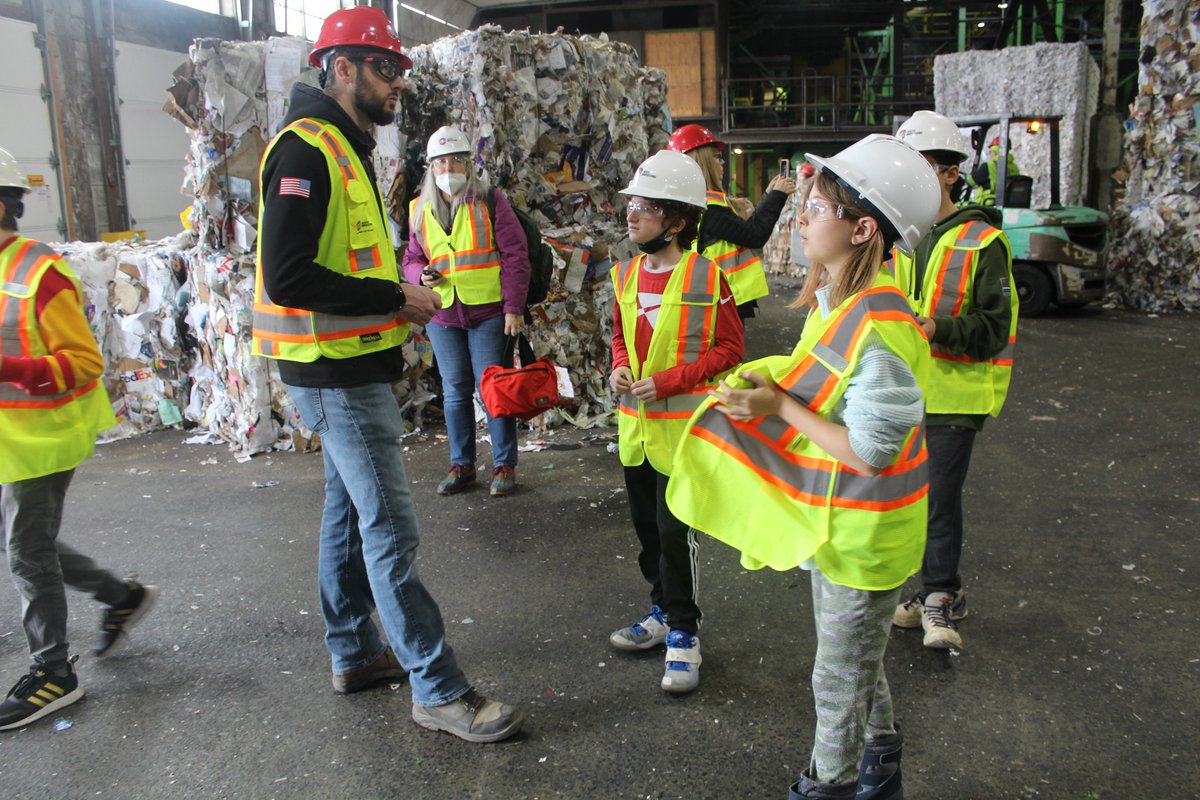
766	489
467	257
44	434
743	270
354	242
959	384
684	331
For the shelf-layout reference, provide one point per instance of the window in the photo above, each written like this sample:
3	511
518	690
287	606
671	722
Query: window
303	17
211	6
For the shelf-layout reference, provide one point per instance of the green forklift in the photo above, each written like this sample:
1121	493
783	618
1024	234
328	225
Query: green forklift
1058	252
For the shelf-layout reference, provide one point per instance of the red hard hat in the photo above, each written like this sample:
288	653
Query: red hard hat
995	142
689	137
361	26
807	170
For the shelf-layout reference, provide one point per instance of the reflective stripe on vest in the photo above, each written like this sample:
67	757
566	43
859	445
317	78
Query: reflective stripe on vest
467	257
300	335
652	429
743	269
960	384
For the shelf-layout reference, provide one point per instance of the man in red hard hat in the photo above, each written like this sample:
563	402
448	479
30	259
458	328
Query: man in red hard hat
331	310
982	179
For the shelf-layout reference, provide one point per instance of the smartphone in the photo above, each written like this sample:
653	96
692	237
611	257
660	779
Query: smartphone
785	167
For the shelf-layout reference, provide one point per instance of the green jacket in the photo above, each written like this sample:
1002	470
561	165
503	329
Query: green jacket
982	332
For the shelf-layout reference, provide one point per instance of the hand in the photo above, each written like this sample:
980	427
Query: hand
744	404
645	390
621	380
420	304
432	279
513	324
781	183
927	325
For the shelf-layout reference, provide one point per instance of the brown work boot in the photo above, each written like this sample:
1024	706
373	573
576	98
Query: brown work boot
386	667
460	477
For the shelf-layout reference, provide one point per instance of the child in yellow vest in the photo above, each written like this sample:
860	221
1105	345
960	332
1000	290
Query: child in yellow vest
52	406
676	331
829	444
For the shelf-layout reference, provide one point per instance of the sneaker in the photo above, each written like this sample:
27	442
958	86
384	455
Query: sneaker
37	694
504	481
460	477
386	667
118	619
682	673
941	631
649	631
908	614
472	717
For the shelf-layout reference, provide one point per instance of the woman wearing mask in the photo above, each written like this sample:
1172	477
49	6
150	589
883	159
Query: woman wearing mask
477	261
724	237
822	455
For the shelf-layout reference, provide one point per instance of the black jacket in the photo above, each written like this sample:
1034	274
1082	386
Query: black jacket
291	231
721	224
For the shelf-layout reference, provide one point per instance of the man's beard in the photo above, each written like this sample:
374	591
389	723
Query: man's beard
374	110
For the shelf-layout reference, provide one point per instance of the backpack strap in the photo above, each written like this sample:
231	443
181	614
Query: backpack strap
489	201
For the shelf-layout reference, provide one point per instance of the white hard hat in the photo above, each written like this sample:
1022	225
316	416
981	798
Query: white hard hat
894	178
446	141
929	130
668	175
11	175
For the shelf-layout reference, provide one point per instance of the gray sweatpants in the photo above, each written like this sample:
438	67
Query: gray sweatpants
31	514
849	687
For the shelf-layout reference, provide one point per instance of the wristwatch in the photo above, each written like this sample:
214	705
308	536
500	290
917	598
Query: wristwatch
400	298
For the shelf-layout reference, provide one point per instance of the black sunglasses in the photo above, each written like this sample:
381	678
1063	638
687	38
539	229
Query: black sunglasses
388	68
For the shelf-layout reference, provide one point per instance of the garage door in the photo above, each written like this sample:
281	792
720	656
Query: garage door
25	129
155	146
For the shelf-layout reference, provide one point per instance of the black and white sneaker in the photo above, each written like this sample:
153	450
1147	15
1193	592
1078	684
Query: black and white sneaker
37	694
120	618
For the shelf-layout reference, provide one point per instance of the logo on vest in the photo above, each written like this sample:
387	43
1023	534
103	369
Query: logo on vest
363	225
368	338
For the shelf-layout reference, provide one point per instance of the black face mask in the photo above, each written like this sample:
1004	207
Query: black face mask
956	189
654	245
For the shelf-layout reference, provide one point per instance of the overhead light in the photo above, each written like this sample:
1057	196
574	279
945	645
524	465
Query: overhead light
737	150
1034	126
982	25
1001	5
407	7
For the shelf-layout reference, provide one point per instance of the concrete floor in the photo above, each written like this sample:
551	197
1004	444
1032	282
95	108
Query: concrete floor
1078	678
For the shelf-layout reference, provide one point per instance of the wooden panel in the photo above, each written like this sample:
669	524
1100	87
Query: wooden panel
708	72
678	53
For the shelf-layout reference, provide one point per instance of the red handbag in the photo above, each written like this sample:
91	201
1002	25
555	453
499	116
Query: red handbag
522	392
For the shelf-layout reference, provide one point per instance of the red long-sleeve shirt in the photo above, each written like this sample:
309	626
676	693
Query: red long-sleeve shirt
728	346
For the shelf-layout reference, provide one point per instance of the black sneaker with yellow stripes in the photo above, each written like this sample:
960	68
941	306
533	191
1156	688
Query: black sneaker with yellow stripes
39	693
118	619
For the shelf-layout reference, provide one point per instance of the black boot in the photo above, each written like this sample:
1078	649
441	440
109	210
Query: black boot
808	789
879	775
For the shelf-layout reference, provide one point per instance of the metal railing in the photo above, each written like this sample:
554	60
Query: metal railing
823	102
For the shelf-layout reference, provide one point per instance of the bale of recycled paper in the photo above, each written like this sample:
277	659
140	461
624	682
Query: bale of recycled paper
1154	258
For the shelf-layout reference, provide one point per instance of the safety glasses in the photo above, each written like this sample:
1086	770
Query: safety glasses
446	162
818	209
642	209
387	68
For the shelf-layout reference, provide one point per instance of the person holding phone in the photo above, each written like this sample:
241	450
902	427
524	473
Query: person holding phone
725	237
480	269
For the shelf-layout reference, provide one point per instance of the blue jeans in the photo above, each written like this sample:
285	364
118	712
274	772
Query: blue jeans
369	543
461	354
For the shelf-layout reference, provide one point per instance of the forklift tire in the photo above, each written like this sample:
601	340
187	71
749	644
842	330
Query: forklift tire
1034	289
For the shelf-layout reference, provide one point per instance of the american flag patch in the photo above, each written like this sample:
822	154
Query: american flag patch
294	186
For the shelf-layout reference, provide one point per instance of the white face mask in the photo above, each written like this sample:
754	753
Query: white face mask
451	182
